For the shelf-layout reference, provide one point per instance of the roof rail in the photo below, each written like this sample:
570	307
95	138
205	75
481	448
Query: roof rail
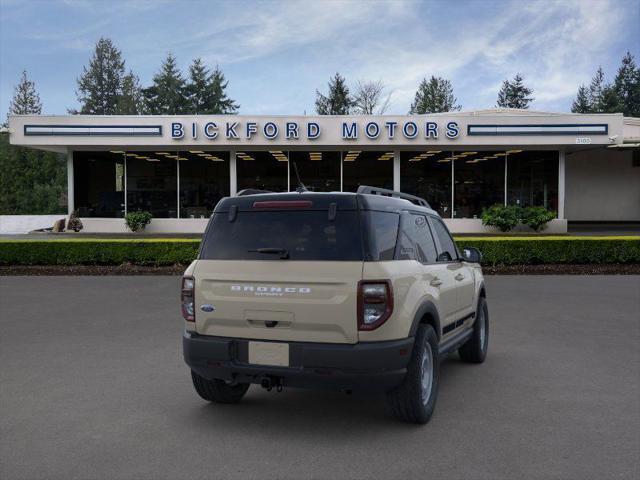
251	191
366	189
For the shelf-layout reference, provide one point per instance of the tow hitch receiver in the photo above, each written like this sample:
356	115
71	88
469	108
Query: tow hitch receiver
270	382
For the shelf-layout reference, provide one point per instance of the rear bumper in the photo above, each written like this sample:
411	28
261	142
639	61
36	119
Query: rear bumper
370	366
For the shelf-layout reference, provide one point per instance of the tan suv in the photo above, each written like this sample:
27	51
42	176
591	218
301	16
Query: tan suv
349	291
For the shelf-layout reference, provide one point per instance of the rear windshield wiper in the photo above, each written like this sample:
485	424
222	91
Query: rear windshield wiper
283	252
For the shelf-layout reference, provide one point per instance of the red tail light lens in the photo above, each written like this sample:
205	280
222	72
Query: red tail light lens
375	303
187	299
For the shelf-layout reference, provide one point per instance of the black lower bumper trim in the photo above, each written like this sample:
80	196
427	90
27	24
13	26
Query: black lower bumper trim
371	366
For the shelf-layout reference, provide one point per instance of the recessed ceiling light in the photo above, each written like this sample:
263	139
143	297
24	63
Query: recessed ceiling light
116	151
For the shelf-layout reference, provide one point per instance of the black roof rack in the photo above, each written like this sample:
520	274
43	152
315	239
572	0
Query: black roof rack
366	189
251	191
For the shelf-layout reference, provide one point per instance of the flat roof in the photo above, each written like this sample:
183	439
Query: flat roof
479	128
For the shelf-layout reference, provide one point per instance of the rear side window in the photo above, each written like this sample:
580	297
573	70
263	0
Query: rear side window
304	234
382	228
416	242
447	246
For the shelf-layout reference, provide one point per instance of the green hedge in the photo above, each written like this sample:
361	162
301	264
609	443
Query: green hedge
495	250
98	252
569	250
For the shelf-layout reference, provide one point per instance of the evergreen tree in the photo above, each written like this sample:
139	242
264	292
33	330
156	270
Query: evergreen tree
514	94
196	89
338	101
130	101
100	85
218	100
627	86
433	96
31	181
25	99
596	91
581	104
167	95
206	91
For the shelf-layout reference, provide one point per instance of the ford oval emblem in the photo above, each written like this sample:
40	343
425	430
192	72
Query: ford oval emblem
207	308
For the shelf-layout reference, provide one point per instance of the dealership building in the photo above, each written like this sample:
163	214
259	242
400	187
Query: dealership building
586	168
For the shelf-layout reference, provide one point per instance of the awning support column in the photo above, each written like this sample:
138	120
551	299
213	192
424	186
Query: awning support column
233	177
396	170
70	183
561	177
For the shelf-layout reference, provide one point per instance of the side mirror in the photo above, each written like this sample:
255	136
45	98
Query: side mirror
471	255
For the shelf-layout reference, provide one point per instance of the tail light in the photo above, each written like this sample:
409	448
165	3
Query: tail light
375	303
187	299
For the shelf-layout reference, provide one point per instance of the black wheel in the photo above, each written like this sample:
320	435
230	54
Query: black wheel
415	399
475	349
218	391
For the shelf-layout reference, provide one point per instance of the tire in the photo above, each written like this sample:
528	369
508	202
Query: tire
415	399
475	349
218	391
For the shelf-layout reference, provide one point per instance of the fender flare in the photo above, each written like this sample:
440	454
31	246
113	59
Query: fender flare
427	307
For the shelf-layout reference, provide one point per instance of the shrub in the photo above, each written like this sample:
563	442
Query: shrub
98	252
137	220
495	251
74	223
564	250
504	218
537	217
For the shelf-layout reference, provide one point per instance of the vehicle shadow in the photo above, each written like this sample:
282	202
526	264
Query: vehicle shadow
299	410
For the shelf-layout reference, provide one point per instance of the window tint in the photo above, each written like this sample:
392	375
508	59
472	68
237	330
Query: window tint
416	241
305	235
383	233
447	246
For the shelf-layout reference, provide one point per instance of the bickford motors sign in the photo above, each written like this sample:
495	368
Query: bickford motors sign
294	130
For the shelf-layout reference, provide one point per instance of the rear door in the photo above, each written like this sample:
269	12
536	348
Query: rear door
280	274
461	273
436	275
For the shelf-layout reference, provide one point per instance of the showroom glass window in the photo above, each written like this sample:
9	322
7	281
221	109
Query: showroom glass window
532	179
204	180
367	168
262	170
99	184
152	183
427	174
478	182
319	171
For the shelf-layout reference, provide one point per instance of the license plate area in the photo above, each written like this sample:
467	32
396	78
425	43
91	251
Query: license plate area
269	353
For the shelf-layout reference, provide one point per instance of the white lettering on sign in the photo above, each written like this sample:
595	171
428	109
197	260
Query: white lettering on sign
349	130
583	141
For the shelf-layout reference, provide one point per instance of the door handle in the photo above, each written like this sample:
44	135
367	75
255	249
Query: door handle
436	282
459	277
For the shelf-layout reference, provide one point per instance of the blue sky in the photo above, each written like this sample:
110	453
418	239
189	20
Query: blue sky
276	53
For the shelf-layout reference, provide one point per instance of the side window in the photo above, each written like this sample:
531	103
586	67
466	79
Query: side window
383	233
448	250
416	242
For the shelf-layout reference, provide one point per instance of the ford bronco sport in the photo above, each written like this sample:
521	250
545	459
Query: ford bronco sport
350	291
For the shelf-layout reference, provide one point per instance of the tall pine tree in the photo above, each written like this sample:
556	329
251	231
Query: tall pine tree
31	181
338	100
130	101
627	86
206	92
582	103
433	96
167	94
219	102
514	94
100	85
25	99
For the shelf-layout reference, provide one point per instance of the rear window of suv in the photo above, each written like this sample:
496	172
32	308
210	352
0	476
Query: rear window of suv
303	234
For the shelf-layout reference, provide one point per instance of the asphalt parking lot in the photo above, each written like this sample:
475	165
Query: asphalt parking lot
92	385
